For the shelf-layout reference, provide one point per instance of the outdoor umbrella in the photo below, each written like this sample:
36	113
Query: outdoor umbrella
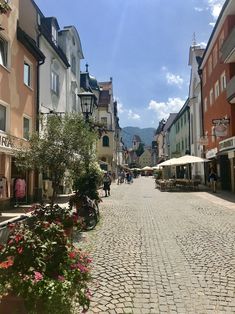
147	168
188	159
157	167
169	162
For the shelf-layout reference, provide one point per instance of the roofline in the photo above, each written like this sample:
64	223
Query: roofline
213	31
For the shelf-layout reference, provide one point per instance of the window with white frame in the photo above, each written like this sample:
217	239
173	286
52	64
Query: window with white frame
3	52
210	66
223	82
204	76
104	121
73	65
3	118
27	73
26	127
211	97
217	89
54	34
55	82
205	104
215	55
74	101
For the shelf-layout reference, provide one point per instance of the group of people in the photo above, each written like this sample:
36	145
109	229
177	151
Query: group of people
123	177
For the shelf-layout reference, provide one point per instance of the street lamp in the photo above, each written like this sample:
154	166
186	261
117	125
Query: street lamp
88	103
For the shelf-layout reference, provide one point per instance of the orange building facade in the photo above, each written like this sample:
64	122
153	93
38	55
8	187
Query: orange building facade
19	58
218	109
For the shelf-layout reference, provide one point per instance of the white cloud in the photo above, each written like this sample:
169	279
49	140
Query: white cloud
212	24
120	107
203	44
132	115
174	79
215	7
198	9
163	109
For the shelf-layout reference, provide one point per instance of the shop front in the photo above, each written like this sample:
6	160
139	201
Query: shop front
226	155
15	187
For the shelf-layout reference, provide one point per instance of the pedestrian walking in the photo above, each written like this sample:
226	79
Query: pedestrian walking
213	180
106	184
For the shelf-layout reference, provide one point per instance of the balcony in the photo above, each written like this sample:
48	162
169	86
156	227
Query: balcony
231	91
228	48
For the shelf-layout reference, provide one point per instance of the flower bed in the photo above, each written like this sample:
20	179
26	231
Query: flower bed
42	266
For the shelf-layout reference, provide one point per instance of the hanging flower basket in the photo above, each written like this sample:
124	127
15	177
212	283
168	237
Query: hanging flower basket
4	7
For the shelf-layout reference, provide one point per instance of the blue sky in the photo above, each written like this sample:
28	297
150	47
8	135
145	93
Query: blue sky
143	45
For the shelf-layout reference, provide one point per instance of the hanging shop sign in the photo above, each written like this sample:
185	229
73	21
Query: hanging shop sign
221	127
203	140
211	153
223	121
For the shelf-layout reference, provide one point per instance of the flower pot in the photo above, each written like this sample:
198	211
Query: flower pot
12	304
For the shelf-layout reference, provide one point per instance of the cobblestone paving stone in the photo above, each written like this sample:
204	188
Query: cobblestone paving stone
161	252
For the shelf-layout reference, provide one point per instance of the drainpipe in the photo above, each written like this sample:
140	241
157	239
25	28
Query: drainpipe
38	86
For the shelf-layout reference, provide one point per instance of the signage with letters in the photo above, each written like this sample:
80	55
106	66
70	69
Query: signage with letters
221	121
5	141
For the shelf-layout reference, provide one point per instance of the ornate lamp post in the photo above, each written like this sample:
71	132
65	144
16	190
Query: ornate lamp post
88	103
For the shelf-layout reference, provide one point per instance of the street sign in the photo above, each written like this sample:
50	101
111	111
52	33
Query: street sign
221	121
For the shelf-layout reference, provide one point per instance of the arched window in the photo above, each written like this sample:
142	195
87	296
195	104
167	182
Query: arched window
106	141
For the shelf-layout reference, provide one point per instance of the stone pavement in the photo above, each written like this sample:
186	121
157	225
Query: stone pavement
162	252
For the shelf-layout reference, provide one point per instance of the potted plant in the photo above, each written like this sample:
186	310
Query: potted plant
42	267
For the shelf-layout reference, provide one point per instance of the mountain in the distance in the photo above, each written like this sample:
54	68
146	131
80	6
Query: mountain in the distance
145	134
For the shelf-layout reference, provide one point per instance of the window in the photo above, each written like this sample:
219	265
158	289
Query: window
215	56
182	144
210	66
216	89
74	102
54	34
26	128
3	52
185	118
223	81
3	114
73	65
55	82
106	141
211	96
27	75
186	143
205	104
204	76
104	121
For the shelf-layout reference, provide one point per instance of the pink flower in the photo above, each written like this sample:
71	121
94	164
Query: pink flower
20	250
61	278
8	263
72	255
37	276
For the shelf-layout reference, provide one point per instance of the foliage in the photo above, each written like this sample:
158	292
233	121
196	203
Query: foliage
140	150
64	216
4	7
88	180
62	142
40	265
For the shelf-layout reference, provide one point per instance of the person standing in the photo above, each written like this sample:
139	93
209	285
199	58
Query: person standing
106	183
213	180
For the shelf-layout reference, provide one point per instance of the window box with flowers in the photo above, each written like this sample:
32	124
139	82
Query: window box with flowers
39	265
4	7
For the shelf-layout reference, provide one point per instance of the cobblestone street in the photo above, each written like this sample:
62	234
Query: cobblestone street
161	252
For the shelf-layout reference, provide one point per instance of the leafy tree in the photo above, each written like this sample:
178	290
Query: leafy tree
64	143
140	149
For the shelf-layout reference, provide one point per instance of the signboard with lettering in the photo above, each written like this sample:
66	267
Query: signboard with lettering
221	121
5	141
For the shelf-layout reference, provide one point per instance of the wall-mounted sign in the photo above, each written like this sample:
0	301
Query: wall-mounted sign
221	130
227	144
5	141
220	121
211	153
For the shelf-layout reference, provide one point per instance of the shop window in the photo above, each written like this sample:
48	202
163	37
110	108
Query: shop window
3	114
106	141
3	52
